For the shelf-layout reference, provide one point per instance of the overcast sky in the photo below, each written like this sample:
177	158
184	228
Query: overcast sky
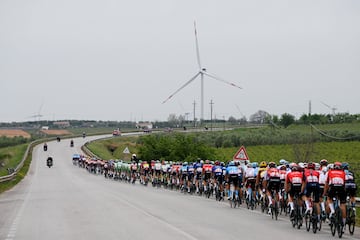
119	60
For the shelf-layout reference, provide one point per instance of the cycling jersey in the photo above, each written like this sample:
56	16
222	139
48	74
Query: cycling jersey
217	170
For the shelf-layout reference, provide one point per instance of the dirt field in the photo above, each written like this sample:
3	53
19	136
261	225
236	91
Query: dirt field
14	133
56	132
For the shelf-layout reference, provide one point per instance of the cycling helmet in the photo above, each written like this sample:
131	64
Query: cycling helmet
317	166
185	163
255	164
217	162
295	167
263	164
272	165
337	165
330	166
207	161
345	166
202	161
283	167
157	161
301	165
283	162
323	162
212	162
231	163
249	165
311	165
222	164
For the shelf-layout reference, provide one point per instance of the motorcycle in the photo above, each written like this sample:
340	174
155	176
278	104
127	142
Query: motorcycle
71	143
49	162
45	147
58	139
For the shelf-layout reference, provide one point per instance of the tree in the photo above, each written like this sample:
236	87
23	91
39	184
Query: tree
259	117
286	119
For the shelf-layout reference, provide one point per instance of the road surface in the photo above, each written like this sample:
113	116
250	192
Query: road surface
66	202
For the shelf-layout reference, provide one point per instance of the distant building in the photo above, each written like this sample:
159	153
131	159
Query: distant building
64	124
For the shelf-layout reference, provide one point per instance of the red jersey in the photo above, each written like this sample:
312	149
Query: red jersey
336	177
311	176
295	178
272	173
207	168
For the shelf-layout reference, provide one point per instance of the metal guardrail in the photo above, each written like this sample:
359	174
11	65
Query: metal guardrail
21	164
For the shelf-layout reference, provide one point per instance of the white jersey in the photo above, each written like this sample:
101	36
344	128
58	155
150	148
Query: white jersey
250	173
157	166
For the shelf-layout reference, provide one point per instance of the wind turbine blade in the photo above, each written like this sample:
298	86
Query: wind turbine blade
187	83
221	80
326	105
197	47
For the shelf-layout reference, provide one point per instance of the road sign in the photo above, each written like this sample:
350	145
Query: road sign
126	150
241	154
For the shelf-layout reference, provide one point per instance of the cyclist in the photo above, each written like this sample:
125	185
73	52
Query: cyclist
217	174
232	177
271	183
198	171
322	181
311	186
207	170
293	183
184	175
260	177
249	180
157	172
335	187
191	171
350	185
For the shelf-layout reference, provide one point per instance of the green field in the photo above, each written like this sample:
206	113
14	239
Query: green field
10	157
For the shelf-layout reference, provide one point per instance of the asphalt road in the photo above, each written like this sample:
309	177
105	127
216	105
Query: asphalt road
66	202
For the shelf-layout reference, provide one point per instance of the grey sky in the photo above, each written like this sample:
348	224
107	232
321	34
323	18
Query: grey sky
119	60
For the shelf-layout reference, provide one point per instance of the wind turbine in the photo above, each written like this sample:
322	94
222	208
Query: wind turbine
202	71
331	108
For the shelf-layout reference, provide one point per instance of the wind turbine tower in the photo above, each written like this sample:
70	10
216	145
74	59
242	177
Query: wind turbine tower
202	71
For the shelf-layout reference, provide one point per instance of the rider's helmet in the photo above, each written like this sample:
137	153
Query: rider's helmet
222	164
217	162
317	166
295	167
283	162
202	161
207	161
185	163
231	163
255	164
330	166
311	165
249	165
323	162
263	164
345	166
283	167
272	165
157	161
337	165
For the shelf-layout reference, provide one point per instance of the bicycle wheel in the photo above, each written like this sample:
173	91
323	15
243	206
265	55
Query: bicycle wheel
314	220
339	227
307	221
332	225
276	208
351	223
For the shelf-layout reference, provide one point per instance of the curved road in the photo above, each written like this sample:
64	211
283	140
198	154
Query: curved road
66	202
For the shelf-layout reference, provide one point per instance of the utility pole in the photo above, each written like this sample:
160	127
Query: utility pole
194	103
211	112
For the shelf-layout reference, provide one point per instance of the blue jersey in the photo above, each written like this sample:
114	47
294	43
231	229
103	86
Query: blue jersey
232	170
217	170
190	169
184	169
